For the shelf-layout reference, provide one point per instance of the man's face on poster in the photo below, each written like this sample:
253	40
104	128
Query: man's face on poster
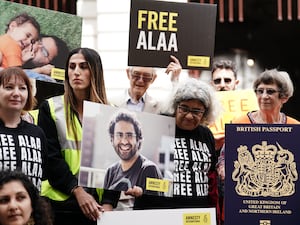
45	51
124	140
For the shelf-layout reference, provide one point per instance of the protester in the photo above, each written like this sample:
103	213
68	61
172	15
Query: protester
61	119
141	78
273	89
194	106
23	144
126	136
224	75
20	202
22	31
223	78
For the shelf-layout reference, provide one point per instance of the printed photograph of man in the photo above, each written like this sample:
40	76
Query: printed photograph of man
130	173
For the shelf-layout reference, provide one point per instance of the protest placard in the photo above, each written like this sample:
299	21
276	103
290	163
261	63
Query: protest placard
159	29
44	58
234	104
195	216
122	149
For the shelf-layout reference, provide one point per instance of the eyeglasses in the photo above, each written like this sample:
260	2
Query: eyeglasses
128	136
146	77
226	80
195	112
269	91
44	51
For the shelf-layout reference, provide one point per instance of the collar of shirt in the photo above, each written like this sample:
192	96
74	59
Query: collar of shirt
135	106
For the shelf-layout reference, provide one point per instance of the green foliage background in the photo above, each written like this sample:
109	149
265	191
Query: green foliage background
65	26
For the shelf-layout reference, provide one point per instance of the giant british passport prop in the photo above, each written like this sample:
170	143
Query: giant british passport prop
262	170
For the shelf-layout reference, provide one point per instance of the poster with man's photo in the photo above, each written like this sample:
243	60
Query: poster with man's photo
38	40
127	151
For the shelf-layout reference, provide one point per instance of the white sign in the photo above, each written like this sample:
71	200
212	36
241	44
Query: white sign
193	216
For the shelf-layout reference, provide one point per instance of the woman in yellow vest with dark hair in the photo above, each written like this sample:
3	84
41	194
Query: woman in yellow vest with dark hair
61	119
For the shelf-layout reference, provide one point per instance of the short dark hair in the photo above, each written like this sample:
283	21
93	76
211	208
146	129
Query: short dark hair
60	59
225	64
127	116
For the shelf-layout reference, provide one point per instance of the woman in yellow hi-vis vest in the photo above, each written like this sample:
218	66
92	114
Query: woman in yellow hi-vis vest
61	119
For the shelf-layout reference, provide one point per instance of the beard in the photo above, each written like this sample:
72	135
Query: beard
126	152
29	64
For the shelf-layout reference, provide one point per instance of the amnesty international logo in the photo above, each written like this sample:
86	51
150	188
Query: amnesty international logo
268	170
265	222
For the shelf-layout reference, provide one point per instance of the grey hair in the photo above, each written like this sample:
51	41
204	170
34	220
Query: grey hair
193	89
280	78
137	67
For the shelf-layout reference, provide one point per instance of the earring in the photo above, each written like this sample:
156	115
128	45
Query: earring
31	221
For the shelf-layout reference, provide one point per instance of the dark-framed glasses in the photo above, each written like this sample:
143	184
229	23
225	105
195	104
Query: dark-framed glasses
146	77
268	91
226	80
195	112
128	136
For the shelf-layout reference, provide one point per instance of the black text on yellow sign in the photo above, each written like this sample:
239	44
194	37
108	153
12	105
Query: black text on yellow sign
196	219
58	74
197	61
152	23
154	184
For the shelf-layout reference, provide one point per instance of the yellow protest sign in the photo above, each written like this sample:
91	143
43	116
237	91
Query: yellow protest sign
235	103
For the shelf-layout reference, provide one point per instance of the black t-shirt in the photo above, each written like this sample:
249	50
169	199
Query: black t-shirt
24	148
194	157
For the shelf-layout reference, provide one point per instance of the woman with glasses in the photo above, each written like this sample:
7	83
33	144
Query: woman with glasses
194	106
273	88
61	119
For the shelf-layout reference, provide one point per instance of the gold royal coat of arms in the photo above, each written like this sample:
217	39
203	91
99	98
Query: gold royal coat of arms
269	170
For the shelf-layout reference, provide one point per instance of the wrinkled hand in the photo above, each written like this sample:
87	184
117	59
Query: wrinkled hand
135	191
90	208
175	68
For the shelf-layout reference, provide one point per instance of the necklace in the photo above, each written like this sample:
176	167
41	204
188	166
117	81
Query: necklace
255	117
